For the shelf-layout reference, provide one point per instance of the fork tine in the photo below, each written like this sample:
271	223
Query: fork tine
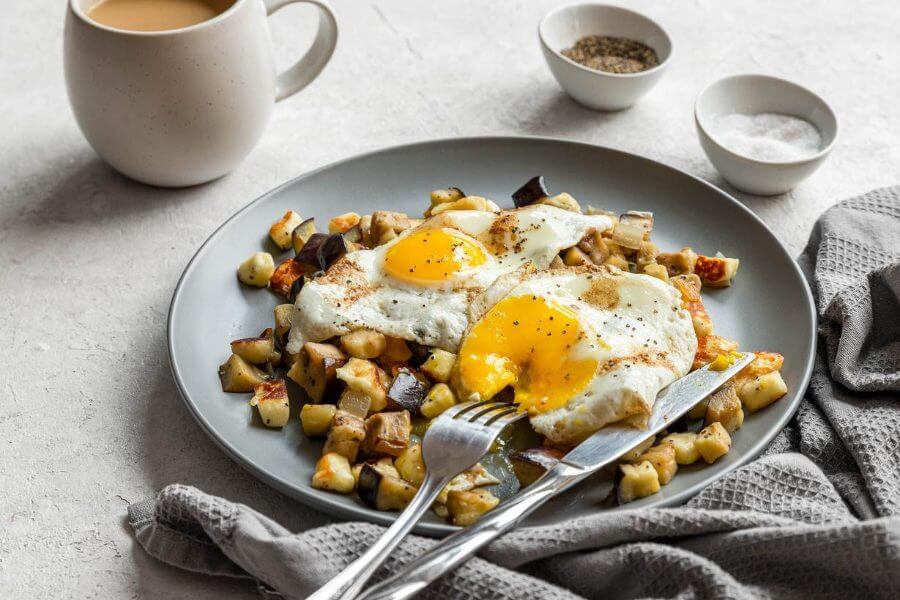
459	409
503	419
481	413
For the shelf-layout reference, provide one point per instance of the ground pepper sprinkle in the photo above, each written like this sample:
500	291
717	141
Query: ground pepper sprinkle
612	54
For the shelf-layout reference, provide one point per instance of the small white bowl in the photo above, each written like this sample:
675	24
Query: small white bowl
754	94
599	90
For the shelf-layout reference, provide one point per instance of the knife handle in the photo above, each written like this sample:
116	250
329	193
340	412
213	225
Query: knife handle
460	546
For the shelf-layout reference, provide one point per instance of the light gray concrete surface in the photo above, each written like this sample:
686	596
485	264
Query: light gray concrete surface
89	417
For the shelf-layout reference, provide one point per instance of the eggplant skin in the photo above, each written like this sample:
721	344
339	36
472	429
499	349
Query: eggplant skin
407	391
309	253
332	248
530	464
367	485
531	192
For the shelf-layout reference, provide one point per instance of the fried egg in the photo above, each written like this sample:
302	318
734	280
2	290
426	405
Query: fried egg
418	287
581	347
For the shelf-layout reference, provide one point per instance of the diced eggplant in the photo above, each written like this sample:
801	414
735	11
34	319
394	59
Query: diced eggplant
530	464
237	375
256	350
332	248
345	435
286	274
531	192
420	353
628	235
295	289
642	219
383	492
353	235
407	391
302	233
283	313
316	371
309	253
387	433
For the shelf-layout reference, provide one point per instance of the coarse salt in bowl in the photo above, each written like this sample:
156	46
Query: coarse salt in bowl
601	90
741	125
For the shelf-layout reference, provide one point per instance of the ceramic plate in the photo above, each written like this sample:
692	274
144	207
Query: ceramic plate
769	307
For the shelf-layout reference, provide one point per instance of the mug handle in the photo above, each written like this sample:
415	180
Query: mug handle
302	72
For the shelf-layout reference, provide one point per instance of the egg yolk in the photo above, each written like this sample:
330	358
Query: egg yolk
432	255
525	342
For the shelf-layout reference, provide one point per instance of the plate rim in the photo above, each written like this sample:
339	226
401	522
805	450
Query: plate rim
320	500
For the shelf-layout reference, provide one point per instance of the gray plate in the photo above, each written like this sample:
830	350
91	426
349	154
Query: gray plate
769	307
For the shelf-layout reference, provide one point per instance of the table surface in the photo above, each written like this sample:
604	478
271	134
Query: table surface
90	419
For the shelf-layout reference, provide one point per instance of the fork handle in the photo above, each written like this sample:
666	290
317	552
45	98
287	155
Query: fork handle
459	547
347	584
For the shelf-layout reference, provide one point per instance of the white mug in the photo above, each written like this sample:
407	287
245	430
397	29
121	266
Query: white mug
182	107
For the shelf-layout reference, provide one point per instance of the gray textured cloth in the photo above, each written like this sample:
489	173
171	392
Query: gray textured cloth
817	515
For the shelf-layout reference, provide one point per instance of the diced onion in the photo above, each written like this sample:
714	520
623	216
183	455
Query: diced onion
628	235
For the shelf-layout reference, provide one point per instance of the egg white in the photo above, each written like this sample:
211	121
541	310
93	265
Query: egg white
627	339
356	292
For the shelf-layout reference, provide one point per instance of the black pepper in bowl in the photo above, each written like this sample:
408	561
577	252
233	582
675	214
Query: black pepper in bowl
612	54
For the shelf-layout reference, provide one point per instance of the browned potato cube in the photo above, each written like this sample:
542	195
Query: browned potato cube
438	365
683	443
662	458
573	257
271	400
711	346
467	506
396	352
762	391
283	314
637	481
364	343
411	465
257	270
333	474
343	223
237	375
632	454
713	442
281	230
656	270
367	378
386	225
678	263
440	397
346	433
316	419
316	369
256	350
725	407
387	433
383	492
716	271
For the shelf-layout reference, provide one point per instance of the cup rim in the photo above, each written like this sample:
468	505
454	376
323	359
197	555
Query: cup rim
569	61
75	7
824	151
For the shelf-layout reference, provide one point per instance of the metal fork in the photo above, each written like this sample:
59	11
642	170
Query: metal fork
455	441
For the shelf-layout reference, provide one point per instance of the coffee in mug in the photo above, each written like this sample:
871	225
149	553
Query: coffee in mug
155	15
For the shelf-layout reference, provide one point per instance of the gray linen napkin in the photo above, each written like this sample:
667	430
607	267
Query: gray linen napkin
817	515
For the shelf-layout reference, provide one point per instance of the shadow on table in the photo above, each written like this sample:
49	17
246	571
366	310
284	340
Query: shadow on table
94	191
